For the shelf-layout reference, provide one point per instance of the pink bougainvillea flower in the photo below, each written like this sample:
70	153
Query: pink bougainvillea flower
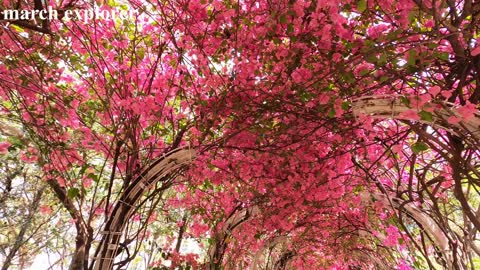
4	147
410	115
392	236
453	120
61	181
446	94
403	266
476	51
45	210
434	90
87	182
467	111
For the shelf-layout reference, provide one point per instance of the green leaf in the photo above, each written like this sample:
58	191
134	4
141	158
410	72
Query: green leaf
83	169
364	72
392	35
73	192
345	105
331	113
383	79
443	56
371	58
17	142
362	6
476	263
412	58
411	16
349	77
419	147
369	43
405	101
17	28
93	176
24	80
290	28
140	53
382	61
426	116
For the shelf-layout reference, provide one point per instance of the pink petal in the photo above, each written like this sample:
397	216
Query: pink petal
453	120
434	90
446	94
476	51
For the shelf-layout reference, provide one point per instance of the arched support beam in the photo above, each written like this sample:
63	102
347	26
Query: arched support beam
161	169
279	264
429	225
392	107
217	250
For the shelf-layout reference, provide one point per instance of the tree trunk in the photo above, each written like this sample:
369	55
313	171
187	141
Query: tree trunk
23	230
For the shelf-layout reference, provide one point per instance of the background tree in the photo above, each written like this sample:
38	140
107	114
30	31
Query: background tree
332	134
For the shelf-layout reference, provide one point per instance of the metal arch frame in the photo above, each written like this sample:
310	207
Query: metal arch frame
160	169
391	106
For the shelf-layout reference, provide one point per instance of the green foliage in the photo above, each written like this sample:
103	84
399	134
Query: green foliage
419	147
426	116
